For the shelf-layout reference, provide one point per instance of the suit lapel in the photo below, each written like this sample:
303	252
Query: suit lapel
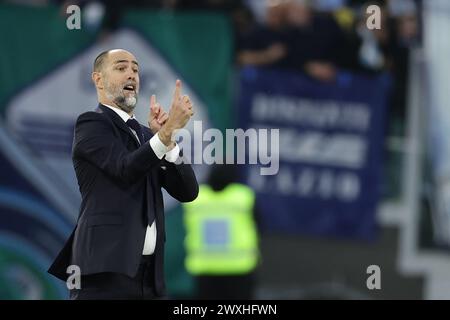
147	133
118	121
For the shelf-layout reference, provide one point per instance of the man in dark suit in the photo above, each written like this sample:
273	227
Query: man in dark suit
118	243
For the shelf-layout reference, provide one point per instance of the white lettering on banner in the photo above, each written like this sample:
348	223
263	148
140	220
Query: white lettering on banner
343	150
312	113
324	184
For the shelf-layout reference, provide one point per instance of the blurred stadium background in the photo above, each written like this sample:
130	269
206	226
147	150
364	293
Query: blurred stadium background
365	133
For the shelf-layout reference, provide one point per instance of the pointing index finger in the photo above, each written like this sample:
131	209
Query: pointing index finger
177	93
152	101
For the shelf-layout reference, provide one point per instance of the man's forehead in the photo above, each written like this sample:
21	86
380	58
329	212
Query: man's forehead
118	56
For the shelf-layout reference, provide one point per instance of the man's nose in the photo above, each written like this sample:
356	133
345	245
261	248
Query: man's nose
131	76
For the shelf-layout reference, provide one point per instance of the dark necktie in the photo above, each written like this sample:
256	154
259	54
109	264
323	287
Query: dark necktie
133	124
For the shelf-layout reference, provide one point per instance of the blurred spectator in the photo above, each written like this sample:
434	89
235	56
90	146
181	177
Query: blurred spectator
387	49
243	21
376	45
405	35
316	41
222	238
406	21
298	38
329	5
265	45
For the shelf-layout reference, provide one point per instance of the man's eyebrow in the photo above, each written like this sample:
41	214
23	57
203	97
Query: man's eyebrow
120	61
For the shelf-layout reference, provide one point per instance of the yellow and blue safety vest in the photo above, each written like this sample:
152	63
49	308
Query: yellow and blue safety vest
221	236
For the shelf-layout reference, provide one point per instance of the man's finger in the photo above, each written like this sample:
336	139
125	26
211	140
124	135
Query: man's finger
156	110
152	101
161	114
177	93
163	118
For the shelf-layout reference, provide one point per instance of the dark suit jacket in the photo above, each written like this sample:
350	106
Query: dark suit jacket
120	182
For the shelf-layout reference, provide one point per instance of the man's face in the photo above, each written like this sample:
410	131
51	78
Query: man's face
120	74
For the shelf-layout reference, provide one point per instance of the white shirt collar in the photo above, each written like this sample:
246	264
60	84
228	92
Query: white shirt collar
122	114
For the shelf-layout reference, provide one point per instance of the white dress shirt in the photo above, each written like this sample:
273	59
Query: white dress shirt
161	150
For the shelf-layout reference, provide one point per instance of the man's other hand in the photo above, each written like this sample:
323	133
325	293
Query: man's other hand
157	116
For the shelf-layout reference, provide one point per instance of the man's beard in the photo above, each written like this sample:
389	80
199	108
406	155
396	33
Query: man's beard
127	104
116	94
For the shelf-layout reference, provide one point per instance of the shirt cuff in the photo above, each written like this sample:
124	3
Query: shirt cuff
159	148
173	154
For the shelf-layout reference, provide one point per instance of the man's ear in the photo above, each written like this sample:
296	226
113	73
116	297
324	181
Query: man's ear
97	79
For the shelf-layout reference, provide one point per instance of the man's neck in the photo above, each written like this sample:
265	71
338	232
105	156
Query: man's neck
113	105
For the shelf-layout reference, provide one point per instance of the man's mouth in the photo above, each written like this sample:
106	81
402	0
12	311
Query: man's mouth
130	88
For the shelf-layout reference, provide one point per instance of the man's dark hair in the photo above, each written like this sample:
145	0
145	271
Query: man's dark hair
98	62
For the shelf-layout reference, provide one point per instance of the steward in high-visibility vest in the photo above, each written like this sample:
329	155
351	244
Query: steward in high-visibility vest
221	234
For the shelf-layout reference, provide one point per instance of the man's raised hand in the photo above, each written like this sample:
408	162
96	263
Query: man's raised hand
181	109
179	114
157	117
